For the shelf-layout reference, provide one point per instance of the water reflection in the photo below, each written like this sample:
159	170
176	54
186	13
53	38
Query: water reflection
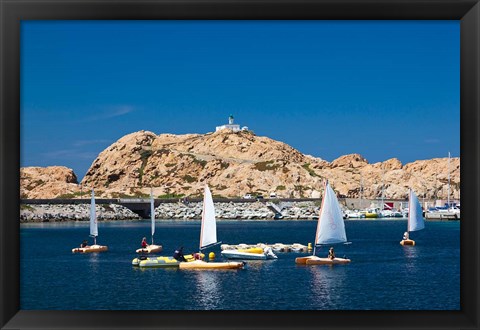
207	285
326	285
93	262
411	255
259	264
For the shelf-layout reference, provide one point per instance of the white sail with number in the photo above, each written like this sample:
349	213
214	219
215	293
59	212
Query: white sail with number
93	217
208	232
330	227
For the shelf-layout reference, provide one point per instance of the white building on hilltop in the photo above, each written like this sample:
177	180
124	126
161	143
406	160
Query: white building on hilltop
231	126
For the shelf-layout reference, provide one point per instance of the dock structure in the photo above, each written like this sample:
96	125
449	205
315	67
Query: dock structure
277	247
275	209
442	216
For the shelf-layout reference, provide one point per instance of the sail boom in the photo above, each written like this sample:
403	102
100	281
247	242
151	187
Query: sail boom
209	245
331	242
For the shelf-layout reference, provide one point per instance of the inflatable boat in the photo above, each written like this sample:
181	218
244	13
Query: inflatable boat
258	254
157	262
91	248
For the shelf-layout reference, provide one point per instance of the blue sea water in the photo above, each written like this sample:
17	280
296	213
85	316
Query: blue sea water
383	275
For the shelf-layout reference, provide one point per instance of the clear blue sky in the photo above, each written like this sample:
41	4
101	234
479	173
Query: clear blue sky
382	89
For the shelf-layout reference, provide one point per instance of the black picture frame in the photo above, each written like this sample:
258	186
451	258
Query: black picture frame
13	12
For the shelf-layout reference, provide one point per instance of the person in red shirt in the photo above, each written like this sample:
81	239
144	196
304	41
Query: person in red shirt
144	243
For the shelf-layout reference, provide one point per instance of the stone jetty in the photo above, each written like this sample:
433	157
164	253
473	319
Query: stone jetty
73	212
168	211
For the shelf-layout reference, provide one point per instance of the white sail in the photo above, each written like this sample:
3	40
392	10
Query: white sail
415	214
93	217
330	228
208	233
152	212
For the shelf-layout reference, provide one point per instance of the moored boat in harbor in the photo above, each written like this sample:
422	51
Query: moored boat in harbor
266	253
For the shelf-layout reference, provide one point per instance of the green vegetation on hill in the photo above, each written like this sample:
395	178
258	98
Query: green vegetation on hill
309	170
74	195
266	166
169	196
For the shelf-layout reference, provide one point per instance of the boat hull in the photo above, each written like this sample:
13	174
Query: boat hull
257	250
159	262
203	265
150	249
296	247
407	242
90	249
314	260
235	254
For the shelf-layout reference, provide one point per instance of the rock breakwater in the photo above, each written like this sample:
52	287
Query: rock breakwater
169	211
73	212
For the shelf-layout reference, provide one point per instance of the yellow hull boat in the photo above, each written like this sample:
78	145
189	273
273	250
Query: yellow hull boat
161	261
258	250
200	264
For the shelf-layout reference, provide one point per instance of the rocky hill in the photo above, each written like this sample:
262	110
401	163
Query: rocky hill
234	164
47	182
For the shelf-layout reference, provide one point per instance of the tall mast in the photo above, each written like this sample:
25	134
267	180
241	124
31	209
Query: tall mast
320	215
448	188
152	212
409	209
383	189
93	219
361	191
203	217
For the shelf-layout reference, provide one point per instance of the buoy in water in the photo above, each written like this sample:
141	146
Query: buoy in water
211	256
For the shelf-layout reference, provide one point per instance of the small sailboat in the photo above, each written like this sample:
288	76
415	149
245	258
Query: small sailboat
208	238
415	218
151	248
93	232
330	230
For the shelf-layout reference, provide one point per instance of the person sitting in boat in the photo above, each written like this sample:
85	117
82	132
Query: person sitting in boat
405	235
144	243
178	255
84	244
331	254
